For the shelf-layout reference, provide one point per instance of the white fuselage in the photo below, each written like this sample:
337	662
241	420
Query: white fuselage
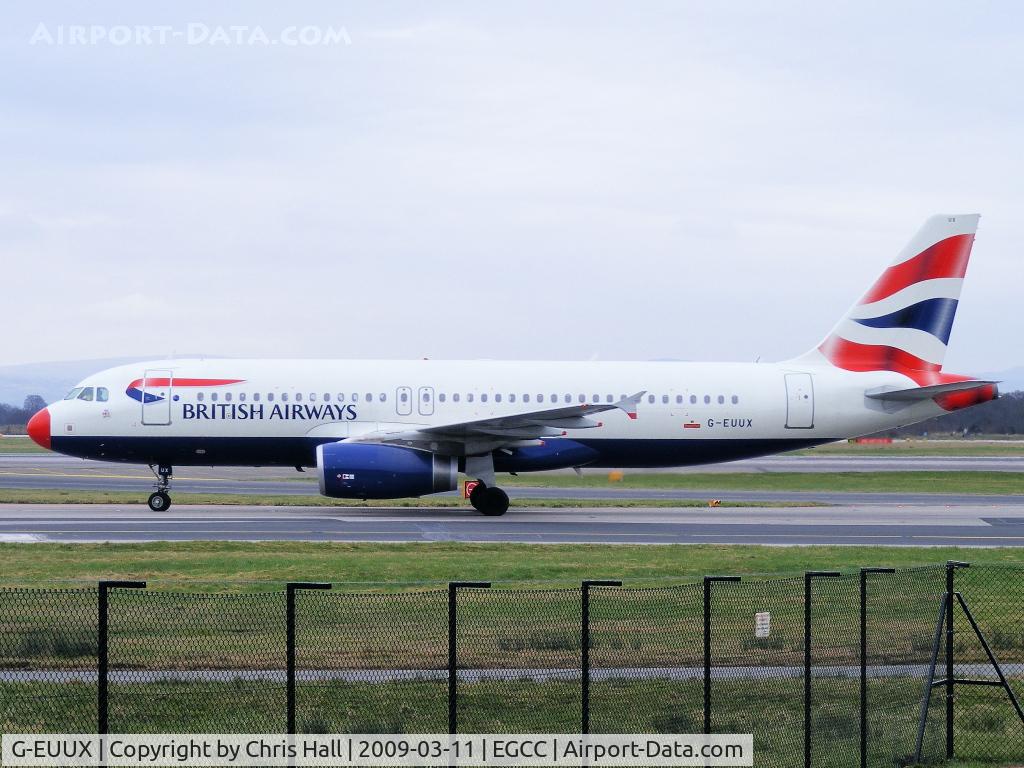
253	412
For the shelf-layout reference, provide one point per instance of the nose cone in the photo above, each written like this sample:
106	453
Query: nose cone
39	428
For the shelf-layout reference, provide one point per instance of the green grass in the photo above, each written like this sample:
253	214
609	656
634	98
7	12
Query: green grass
990	446
868	482
19	444
48	496
771	710
260	566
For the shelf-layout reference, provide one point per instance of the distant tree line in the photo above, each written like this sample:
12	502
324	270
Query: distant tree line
13	416
1004	416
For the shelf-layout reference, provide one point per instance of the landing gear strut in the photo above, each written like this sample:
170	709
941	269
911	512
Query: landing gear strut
160	500
489	499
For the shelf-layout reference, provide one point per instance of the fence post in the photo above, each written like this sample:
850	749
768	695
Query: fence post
951	566
453	591
808	579
708	581
864	659
103	659
585	647
290	590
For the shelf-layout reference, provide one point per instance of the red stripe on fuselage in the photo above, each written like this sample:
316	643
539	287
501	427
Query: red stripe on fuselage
947	258
183	382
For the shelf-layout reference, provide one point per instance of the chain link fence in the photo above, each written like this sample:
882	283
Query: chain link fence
829	670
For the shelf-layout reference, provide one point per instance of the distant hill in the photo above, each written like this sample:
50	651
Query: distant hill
53	380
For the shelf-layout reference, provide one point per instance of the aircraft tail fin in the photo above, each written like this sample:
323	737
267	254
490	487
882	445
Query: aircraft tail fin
904	321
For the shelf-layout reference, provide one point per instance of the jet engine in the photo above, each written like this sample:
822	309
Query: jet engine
371	471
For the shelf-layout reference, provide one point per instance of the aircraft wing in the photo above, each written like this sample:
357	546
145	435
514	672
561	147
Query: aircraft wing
481	435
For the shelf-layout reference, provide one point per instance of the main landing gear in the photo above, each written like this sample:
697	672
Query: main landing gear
160	500
489	499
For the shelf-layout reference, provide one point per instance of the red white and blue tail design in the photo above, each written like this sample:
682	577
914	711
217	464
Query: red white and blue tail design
904	320
903	323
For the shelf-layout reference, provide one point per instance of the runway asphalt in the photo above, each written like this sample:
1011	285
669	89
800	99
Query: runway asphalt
975	524
63	473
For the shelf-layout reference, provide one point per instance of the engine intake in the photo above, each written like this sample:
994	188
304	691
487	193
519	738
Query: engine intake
370	471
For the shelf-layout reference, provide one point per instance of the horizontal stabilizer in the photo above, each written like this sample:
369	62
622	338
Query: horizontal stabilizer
925	393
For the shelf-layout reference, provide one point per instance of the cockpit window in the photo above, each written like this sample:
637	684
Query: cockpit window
102	394
86	394
73	393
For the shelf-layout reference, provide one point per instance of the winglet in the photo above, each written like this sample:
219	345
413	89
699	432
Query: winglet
630	403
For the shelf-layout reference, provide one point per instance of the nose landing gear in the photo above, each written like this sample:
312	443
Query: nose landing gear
160	500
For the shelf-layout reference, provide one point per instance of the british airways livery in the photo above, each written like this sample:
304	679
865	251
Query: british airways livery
389	429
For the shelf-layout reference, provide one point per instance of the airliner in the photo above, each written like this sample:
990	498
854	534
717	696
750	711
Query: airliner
385	429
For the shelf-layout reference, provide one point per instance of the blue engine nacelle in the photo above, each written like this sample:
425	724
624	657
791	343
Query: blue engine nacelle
370	471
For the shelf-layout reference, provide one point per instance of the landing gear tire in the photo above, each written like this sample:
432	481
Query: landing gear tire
493	502
159	501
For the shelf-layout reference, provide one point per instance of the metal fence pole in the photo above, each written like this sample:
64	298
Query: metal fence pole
864	659
808	579
951	567
453	591
102	650
585	648
290	589
708	581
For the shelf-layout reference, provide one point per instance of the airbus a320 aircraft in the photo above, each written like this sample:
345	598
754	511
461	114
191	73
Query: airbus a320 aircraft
386	429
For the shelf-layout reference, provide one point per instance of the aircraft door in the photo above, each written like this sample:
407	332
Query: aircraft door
403	401
799	401
156	397
426	401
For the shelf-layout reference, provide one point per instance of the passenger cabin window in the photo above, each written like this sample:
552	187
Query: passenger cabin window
73	393
650	399
241	397
369	397
609	399
497	398
455	397
469	397
511	398
568	398
200	396
227	397
735	399
693	399
664	399
86	394
213	396
284	397
483	398
270	397
526	398
298	397
707	399
442	397
382	397
102	394
721	399
256	397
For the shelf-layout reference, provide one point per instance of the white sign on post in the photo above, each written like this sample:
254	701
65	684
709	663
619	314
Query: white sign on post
762	625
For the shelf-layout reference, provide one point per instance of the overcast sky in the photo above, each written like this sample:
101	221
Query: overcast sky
631	180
